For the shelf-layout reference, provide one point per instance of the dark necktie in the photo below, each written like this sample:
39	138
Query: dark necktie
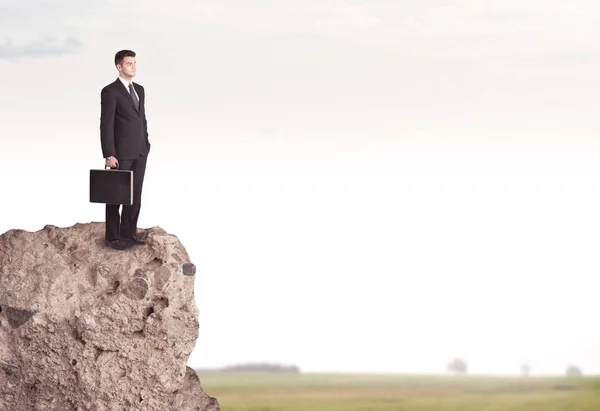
134	97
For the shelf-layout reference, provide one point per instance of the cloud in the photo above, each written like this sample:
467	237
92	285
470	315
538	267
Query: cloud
46	48
45	29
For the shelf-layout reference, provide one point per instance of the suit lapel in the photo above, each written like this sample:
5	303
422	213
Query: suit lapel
123	90
140	98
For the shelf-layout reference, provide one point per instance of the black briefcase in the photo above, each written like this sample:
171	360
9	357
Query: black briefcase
111	186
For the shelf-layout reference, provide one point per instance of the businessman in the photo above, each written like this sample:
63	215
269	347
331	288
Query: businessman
125	145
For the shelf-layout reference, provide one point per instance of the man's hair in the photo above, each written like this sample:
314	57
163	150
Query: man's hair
121	55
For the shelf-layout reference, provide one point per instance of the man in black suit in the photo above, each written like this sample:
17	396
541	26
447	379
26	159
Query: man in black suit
125	145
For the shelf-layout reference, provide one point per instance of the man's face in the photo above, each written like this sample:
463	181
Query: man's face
128	67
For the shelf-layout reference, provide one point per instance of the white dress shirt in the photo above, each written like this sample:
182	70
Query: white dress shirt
126	84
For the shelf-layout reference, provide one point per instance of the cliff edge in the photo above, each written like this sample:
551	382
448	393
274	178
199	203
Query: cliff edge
87	328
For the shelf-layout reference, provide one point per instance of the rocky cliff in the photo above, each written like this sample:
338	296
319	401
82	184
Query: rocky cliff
87	328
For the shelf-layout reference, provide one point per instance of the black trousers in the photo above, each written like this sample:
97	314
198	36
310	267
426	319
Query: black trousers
125	224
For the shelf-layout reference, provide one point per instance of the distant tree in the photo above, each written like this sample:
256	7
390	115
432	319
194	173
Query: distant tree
573	371
525	370
457	366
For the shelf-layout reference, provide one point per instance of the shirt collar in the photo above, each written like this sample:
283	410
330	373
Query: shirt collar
125	82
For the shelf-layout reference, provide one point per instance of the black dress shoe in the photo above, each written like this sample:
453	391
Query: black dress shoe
135	240
117	244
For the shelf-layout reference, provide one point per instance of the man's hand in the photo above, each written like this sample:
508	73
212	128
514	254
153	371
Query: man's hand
112	162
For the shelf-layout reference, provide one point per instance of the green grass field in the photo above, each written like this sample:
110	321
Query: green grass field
316	392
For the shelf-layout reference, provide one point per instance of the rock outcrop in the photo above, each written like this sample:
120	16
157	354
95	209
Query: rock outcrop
87	328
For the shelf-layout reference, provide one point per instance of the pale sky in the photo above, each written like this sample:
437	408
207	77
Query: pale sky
363	186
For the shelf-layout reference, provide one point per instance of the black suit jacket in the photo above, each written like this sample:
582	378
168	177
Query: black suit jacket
123	127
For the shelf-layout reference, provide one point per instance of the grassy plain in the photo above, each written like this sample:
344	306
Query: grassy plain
238	391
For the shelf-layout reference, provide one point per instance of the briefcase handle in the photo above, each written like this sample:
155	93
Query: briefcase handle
105	166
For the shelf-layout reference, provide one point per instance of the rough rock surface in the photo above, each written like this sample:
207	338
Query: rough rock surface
87	328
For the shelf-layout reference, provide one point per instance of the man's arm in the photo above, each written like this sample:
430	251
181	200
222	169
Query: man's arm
145	121
146	131
108	106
